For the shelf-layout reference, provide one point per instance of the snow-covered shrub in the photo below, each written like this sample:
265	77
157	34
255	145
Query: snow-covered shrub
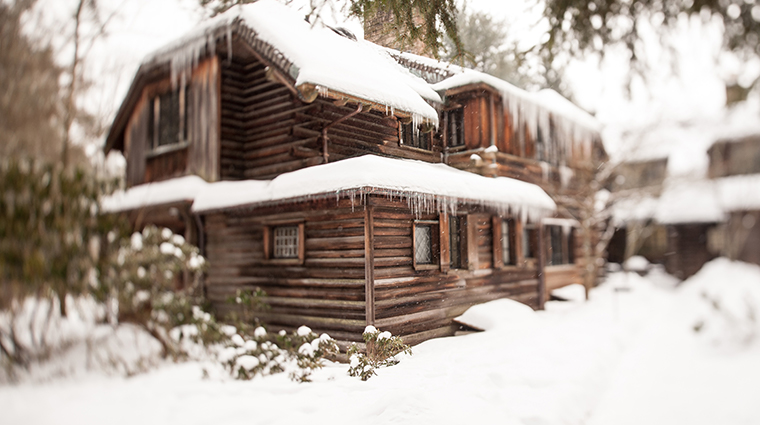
382	347
263	354
725	300
152	280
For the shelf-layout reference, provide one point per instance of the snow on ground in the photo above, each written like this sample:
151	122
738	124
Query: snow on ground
628	355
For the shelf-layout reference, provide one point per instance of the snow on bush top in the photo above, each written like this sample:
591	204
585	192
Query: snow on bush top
320	56
427	187
496	314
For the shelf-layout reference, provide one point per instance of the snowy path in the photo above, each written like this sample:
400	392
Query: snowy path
671	376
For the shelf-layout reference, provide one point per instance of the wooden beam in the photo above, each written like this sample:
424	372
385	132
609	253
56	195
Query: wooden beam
444	242
369	265
541	267
471	225
496	239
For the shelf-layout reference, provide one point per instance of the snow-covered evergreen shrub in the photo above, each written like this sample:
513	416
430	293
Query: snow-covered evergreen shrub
152	280
264	354
382	347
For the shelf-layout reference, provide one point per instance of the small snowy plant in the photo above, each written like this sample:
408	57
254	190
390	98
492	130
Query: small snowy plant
382	347
263	354
246	304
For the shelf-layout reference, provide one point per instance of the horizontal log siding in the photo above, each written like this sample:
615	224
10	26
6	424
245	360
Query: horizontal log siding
326	292
266	130
418	304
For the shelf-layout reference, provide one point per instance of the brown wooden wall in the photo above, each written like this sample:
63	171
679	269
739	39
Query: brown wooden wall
688	250
743	236
266	130
420	304
734	157
327	291
200	155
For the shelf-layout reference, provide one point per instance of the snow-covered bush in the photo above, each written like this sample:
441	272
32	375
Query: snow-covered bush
152	280
725	298
301	352
382	347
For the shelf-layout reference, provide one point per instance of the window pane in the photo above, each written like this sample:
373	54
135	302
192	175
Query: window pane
455	241
423	250
168	119
505	254
456	127
529	242
410	135
555	240
286	242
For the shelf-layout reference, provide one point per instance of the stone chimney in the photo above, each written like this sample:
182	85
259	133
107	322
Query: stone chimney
381	29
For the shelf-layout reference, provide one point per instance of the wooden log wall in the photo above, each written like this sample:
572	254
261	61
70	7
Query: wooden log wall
688	242
266	130
420	304
326	292
197	155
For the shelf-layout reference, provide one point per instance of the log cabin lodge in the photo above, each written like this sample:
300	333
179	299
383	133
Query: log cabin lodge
353	183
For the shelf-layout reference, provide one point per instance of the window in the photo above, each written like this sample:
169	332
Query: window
506	245
284	243
425	239
167	121
555	244
423	247
410	135
503	231
457	242
530	241
455	127
571	246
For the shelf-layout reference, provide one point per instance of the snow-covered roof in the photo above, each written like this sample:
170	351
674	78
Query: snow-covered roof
737	193
694	201
152	194
634	209
689	202
426	187
516	98
319	56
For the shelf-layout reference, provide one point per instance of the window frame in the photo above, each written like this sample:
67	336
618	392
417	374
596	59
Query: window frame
455	125
557	255
155	145
529	242
269	243
459	221
419	139
435	256
497	230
